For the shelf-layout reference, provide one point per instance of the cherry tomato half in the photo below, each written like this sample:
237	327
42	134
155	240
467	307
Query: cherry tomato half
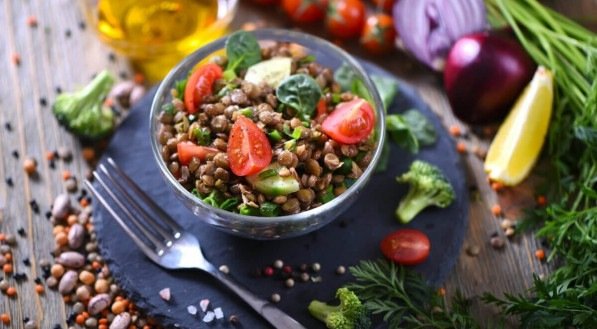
385	5
351	122
188	150
379	34
345	18
249	150
406	246
200	85
304	11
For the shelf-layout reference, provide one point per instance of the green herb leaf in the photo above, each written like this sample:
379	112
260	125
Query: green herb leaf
269	209
420	126
387	89
401	133
344	76
180	86
202	135
275	135
328	195
300	92
246	210
242	50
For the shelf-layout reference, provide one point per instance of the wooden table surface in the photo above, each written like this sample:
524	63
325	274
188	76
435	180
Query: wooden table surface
60	53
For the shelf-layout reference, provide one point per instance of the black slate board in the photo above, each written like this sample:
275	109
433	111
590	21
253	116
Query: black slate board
354	236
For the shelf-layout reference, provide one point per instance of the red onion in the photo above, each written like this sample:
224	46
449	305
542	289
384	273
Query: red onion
428	28
485	72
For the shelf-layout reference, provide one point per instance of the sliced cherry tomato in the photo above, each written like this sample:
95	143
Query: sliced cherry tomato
249	150
379	33
385	5
200	85
350	122
345	18
406	246
188	150
305	11
322	108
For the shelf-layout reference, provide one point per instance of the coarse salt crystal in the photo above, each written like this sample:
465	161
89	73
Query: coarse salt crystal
192	309
218	313
165	294
204	304
209	317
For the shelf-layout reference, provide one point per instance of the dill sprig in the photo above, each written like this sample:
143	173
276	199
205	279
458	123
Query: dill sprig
405	300
568	297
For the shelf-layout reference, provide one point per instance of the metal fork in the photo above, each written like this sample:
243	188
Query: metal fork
164	241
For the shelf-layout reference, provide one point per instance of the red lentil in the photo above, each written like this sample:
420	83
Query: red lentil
540	254
496	210
7	268
8	257
497	186
39	288
461	147
66	174
455	130
49	155
139	78
80	319
16	59
11	291
5	318
441	291
32	21
88	154
541	200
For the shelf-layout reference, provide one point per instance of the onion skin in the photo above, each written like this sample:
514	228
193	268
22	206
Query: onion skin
484	74
429	28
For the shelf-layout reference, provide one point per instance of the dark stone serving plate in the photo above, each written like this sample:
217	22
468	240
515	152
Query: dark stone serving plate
354	236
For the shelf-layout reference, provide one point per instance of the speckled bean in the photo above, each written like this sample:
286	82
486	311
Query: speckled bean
71	259
121	321
61	206
68	282
76	236
98	303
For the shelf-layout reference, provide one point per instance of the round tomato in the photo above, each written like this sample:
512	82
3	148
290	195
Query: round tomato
200	85
345	18
379	33
350	122
188	150
248	150
406	246
305	11
385	5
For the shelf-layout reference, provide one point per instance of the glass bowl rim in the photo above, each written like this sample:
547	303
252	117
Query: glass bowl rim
277	35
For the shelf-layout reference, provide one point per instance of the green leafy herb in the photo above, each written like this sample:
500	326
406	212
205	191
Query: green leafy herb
275	135
180	86
295	134
420	126
202	135
216	200
242	50
344	76
269	209
247	111
346	167
328	195
387	89
300	92
405	300
400	132
247	210
168	108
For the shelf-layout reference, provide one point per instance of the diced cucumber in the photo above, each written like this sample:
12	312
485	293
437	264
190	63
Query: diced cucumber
271	71
274	185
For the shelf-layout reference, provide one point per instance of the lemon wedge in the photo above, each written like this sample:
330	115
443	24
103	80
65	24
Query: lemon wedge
519	139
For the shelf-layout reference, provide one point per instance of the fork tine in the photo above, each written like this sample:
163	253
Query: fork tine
154	207
140	243
156	238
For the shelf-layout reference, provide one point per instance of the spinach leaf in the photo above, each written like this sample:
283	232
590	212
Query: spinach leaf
387	89
344	76
242	50
420	126
300	92
400	132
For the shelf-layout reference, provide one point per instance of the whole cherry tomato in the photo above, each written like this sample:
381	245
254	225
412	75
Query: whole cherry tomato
350	122
345	18
305	11
200	85
188	150
379	33
385	5
249	150
406	246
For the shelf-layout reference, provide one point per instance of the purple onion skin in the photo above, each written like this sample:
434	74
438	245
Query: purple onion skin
484	74
428	28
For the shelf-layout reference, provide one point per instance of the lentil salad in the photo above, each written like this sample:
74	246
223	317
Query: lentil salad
274	135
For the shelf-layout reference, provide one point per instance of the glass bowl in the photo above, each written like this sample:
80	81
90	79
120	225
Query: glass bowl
268	228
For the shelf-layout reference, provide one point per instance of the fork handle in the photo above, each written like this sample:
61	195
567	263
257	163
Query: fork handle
271	313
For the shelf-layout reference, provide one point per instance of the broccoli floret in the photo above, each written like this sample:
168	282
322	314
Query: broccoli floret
350	314
428	187
83	112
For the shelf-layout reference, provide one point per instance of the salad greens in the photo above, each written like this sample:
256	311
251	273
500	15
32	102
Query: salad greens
420	126
301	92
242	50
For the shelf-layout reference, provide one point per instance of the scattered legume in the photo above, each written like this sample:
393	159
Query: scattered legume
275	298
